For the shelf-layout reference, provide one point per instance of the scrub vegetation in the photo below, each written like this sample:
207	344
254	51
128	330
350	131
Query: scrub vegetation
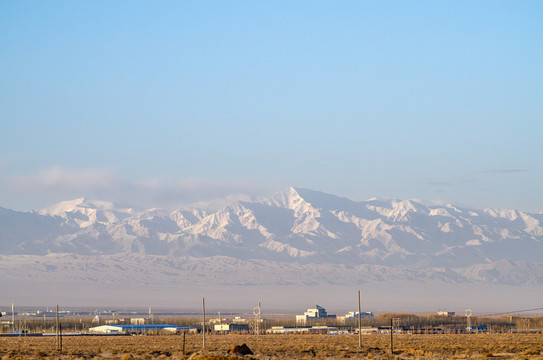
406	346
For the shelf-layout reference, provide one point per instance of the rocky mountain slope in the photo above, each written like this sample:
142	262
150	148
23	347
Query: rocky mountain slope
297	236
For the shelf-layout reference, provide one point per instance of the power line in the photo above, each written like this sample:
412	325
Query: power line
513	312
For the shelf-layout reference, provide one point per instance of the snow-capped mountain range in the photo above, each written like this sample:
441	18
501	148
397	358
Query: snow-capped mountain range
298	236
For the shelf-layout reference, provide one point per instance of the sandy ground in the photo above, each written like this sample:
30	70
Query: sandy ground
473	346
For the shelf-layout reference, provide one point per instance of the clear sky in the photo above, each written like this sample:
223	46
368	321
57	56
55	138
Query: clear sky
159	103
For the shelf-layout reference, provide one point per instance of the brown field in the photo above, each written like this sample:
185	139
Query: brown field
465	346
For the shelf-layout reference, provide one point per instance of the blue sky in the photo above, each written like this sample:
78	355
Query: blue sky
170	103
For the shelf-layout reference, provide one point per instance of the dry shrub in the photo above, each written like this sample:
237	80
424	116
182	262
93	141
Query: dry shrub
40	354
308	351
414	352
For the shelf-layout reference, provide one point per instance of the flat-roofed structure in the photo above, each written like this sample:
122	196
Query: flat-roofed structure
231	327
289	330
140	329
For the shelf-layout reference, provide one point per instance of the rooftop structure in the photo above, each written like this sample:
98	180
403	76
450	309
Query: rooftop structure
353	315
445	313
316	312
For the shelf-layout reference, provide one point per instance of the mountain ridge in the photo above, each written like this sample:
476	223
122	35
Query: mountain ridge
385	239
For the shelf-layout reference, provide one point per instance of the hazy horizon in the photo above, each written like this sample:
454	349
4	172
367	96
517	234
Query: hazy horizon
375	297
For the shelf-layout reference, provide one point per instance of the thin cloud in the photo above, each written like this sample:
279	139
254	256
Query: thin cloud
463	180
440	183
57	184
60	180
502	171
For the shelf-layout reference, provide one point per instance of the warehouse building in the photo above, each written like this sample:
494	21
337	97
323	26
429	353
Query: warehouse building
299	330
140	329
231	327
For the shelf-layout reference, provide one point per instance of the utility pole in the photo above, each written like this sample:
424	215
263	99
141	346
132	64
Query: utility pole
204	322
391	338
359	323
184	332
13	317
259	322
58	331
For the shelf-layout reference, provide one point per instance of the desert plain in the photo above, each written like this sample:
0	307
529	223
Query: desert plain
302	346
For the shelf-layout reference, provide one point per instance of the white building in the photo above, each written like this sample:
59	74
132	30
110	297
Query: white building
106	329
139	329
239	320
137	321
316	312
298	330
353	316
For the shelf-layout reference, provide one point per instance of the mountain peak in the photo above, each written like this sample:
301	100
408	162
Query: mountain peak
84	211
403	210
63	207
296	224
287	197
291	198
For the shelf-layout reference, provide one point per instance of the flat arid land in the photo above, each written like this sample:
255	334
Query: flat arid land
406	346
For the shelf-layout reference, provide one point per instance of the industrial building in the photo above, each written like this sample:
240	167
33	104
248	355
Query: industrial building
353	316
231	327
140	329
137	321
289	330
316	312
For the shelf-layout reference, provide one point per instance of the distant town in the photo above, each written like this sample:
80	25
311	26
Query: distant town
315	319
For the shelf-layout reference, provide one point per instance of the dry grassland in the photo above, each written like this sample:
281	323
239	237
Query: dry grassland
472	346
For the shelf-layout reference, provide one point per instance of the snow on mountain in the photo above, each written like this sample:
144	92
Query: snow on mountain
294	232
86	212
